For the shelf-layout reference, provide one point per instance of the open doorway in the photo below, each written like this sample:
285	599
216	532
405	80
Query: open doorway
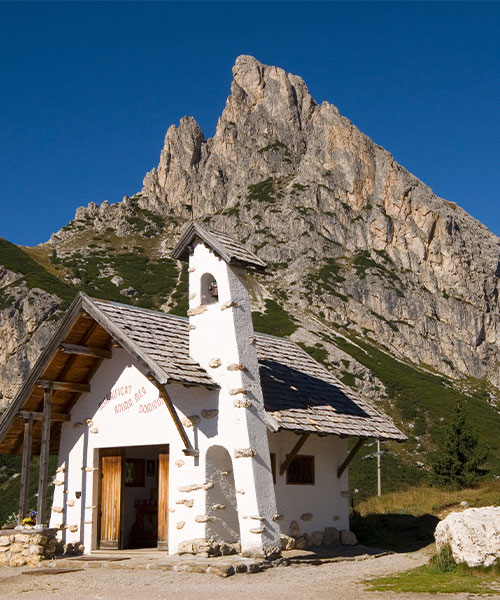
134	497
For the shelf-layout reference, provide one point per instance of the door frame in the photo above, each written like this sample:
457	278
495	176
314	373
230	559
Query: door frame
165	450
161	449
102	453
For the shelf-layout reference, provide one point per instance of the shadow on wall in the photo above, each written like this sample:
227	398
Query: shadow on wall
397	532
221	498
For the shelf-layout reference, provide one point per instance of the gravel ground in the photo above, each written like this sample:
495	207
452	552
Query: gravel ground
341	580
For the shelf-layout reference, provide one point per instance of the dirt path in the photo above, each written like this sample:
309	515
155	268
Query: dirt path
341	580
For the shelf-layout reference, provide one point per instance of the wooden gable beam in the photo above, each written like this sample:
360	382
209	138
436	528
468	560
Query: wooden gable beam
64	386
36	416
350	456
295	450
78	350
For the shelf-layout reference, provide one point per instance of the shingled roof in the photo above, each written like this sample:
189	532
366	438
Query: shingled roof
222	244
303	396
299	394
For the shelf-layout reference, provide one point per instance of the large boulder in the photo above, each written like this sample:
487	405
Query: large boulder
473	535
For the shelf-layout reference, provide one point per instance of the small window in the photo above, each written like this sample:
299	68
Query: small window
273	466
301	470
209	289
134	472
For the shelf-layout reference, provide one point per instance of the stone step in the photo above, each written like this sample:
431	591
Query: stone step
217	566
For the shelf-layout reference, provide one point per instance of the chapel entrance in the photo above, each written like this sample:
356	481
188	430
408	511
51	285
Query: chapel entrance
133	497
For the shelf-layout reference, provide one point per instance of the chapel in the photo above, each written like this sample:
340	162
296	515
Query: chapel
187	433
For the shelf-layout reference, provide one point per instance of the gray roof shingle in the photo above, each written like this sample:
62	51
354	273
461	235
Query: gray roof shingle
164	338
302	395
298	392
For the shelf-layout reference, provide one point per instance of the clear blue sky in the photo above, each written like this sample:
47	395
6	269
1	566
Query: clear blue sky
88	91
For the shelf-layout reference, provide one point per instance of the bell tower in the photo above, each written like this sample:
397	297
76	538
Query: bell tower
221	340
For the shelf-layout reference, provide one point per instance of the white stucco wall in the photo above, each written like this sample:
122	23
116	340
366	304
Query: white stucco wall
132	416
124	411
327	500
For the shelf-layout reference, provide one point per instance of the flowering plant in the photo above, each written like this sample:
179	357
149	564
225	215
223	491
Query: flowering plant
30	519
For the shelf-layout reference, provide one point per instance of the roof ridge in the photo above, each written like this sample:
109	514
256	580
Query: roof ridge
139	308
221	243
179	317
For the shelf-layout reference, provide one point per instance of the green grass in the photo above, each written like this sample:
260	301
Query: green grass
9	486
180	296
326	279
428	580
153	280
348	379
262	192
232	211
405	520
422	500
275	320
398	471
318	352
362	262
276	145
419	395
32	274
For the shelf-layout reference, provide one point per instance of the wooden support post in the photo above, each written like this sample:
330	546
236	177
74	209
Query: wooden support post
379	472
188	450
350	456
294	452
25	469
41	509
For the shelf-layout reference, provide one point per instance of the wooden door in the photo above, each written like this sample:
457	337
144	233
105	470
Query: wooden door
163	465
111	463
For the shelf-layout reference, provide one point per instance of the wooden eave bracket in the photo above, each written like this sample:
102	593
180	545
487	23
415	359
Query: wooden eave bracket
189	450
350	456
295	450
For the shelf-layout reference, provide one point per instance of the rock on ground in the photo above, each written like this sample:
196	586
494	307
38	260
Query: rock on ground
473	535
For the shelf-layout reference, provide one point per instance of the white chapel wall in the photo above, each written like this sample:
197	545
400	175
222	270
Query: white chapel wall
123	410
327	500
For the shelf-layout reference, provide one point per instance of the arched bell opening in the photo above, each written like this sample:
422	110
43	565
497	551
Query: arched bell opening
209	289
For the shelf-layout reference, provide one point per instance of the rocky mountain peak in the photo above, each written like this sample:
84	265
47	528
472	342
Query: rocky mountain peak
269	91
306	188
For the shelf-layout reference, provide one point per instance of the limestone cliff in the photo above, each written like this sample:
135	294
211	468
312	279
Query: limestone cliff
306	188
356	244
